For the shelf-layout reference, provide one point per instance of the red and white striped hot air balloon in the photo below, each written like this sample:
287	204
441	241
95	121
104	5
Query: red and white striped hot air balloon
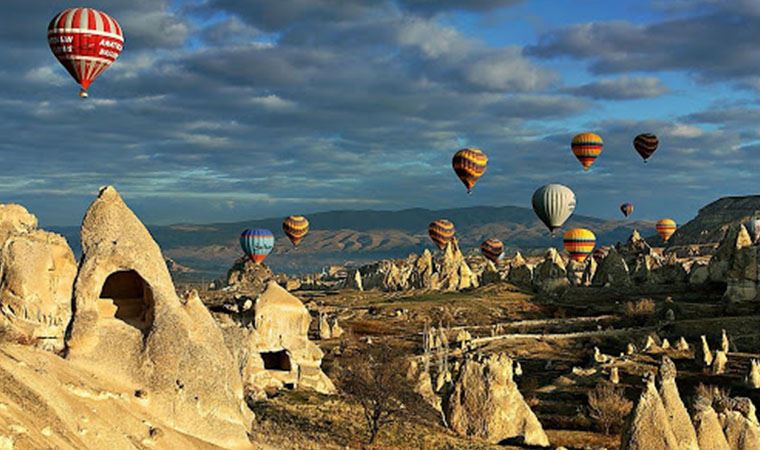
85	41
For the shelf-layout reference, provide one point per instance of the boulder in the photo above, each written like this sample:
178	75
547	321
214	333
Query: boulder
129	325
37	272
612	271
707	425
550	275
679	419
520	273
485	403
648	426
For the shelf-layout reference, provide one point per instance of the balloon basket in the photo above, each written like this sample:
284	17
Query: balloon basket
83	93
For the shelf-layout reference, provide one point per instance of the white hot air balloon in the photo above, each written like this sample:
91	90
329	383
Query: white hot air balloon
553	204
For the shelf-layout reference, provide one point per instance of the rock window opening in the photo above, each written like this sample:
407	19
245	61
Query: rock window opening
127	297
276	361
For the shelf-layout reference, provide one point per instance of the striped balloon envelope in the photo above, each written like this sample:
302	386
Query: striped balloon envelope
579	242
646	144
666	228
469	164
257	243
492	249
441	232
626	209
295	228
587	147
85	41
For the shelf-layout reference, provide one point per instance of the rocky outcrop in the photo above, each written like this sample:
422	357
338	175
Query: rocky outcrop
248	277
735	239
708	427
37	271
269	339
15	219
741	274
129	325
671	271
450	272
550	275
486	403
612	271
520	273
699	273
740	424
753	374
648	427
678	417
636	248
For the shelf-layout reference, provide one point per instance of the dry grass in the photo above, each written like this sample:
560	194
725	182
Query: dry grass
640	310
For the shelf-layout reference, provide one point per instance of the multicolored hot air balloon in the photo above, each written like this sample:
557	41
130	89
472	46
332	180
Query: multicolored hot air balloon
469	165
666	228
492	249
441	232
626	209
587	147
646	144
553	204
579	242
257	243
85	41
295	228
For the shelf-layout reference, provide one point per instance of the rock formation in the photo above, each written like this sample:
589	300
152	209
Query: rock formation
636	248
735	239
129	325
520	273
703	354
15	219
670	272
707	425
612	271
720	360
741	274
648	426
740	424
270	342
724	343
753	375
37	271
589	271
486	403
550	275
698	273
679	419
682	345
248	277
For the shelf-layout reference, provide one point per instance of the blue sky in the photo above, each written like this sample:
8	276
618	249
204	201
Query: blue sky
221	110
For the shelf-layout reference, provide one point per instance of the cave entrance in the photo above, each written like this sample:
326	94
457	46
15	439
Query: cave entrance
127	297
279	361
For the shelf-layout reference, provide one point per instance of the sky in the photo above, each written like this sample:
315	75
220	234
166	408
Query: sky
225	110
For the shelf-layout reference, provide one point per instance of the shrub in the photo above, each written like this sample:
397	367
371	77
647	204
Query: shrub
640	310
608	407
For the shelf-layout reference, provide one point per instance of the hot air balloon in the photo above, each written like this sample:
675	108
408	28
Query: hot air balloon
579	242
646	144
666	228
85	41
469	165
295	228
441	232
626	209
587	147
553	204
257	243
492	249
753	226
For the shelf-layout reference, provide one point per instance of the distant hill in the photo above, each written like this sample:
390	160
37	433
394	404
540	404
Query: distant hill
713	220
359	236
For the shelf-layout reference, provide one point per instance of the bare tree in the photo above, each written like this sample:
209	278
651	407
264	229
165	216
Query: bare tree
377	381
608	406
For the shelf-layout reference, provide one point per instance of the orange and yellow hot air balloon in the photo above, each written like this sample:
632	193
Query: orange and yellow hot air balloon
666	228
587	147
295	228
469	165
492	249
441	232
579	242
